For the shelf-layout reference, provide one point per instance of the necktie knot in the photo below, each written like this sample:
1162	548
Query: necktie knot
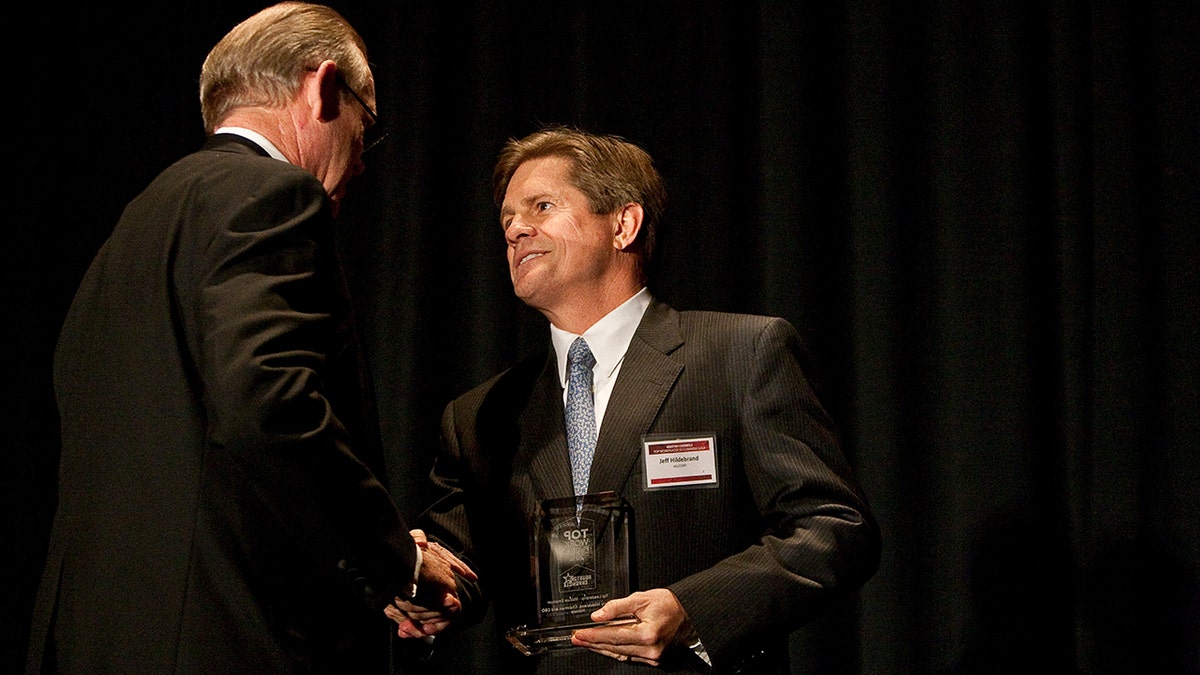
580	355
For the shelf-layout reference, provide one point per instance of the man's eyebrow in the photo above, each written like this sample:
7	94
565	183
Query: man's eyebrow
524	202
534	198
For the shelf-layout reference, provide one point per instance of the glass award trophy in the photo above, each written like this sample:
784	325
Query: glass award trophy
581	552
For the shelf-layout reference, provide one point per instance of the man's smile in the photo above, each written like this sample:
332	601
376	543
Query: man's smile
527	257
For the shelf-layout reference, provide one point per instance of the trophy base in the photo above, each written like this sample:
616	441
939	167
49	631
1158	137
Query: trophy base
546	639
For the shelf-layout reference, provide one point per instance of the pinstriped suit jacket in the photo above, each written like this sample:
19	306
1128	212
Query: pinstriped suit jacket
786	530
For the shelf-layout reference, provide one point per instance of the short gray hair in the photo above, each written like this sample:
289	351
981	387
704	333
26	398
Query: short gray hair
262	60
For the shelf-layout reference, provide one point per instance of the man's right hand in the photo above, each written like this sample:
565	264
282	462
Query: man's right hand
436	602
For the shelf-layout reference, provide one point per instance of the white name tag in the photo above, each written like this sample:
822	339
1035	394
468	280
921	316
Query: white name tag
680	462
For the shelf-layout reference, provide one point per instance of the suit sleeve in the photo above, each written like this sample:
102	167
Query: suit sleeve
820	540
446	520
269	321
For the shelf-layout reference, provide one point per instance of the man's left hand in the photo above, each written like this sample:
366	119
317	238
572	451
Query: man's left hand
662	624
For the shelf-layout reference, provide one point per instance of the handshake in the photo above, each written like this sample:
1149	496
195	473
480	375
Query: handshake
436	603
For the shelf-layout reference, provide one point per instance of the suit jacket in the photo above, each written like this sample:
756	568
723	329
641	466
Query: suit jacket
218	508
751	560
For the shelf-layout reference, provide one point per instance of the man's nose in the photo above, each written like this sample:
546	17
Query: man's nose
517	228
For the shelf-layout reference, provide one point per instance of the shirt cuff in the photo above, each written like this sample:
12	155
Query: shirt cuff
412	587
698	647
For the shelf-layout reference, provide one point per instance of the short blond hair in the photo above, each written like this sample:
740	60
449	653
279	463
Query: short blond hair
262	61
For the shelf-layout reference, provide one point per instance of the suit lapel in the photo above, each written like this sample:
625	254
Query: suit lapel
647	374
543	445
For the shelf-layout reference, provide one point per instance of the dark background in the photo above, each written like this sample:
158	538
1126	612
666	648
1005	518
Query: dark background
982	214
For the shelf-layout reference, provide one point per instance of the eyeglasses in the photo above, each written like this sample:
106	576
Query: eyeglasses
373	134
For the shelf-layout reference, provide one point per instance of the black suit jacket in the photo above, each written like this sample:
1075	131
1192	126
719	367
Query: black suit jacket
218	509
786	531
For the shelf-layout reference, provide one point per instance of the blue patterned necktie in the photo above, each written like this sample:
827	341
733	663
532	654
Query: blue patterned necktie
581	413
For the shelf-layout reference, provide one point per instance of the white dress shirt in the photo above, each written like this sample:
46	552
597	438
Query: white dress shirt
608	339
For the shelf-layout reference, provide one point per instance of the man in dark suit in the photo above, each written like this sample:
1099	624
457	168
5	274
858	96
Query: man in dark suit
764	530
220	507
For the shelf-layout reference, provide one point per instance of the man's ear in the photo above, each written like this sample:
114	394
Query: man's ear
628	224
323	90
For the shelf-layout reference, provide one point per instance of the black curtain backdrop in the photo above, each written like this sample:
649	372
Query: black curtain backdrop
980	213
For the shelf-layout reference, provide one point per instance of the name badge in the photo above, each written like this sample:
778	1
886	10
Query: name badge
679	462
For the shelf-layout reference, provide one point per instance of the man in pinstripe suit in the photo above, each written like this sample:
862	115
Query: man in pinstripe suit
731	557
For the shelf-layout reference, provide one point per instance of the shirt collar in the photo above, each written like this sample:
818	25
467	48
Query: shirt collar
608	338
258	138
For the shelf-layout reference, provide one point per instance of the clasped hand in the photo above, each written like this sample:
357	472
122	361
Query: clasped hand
437	601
